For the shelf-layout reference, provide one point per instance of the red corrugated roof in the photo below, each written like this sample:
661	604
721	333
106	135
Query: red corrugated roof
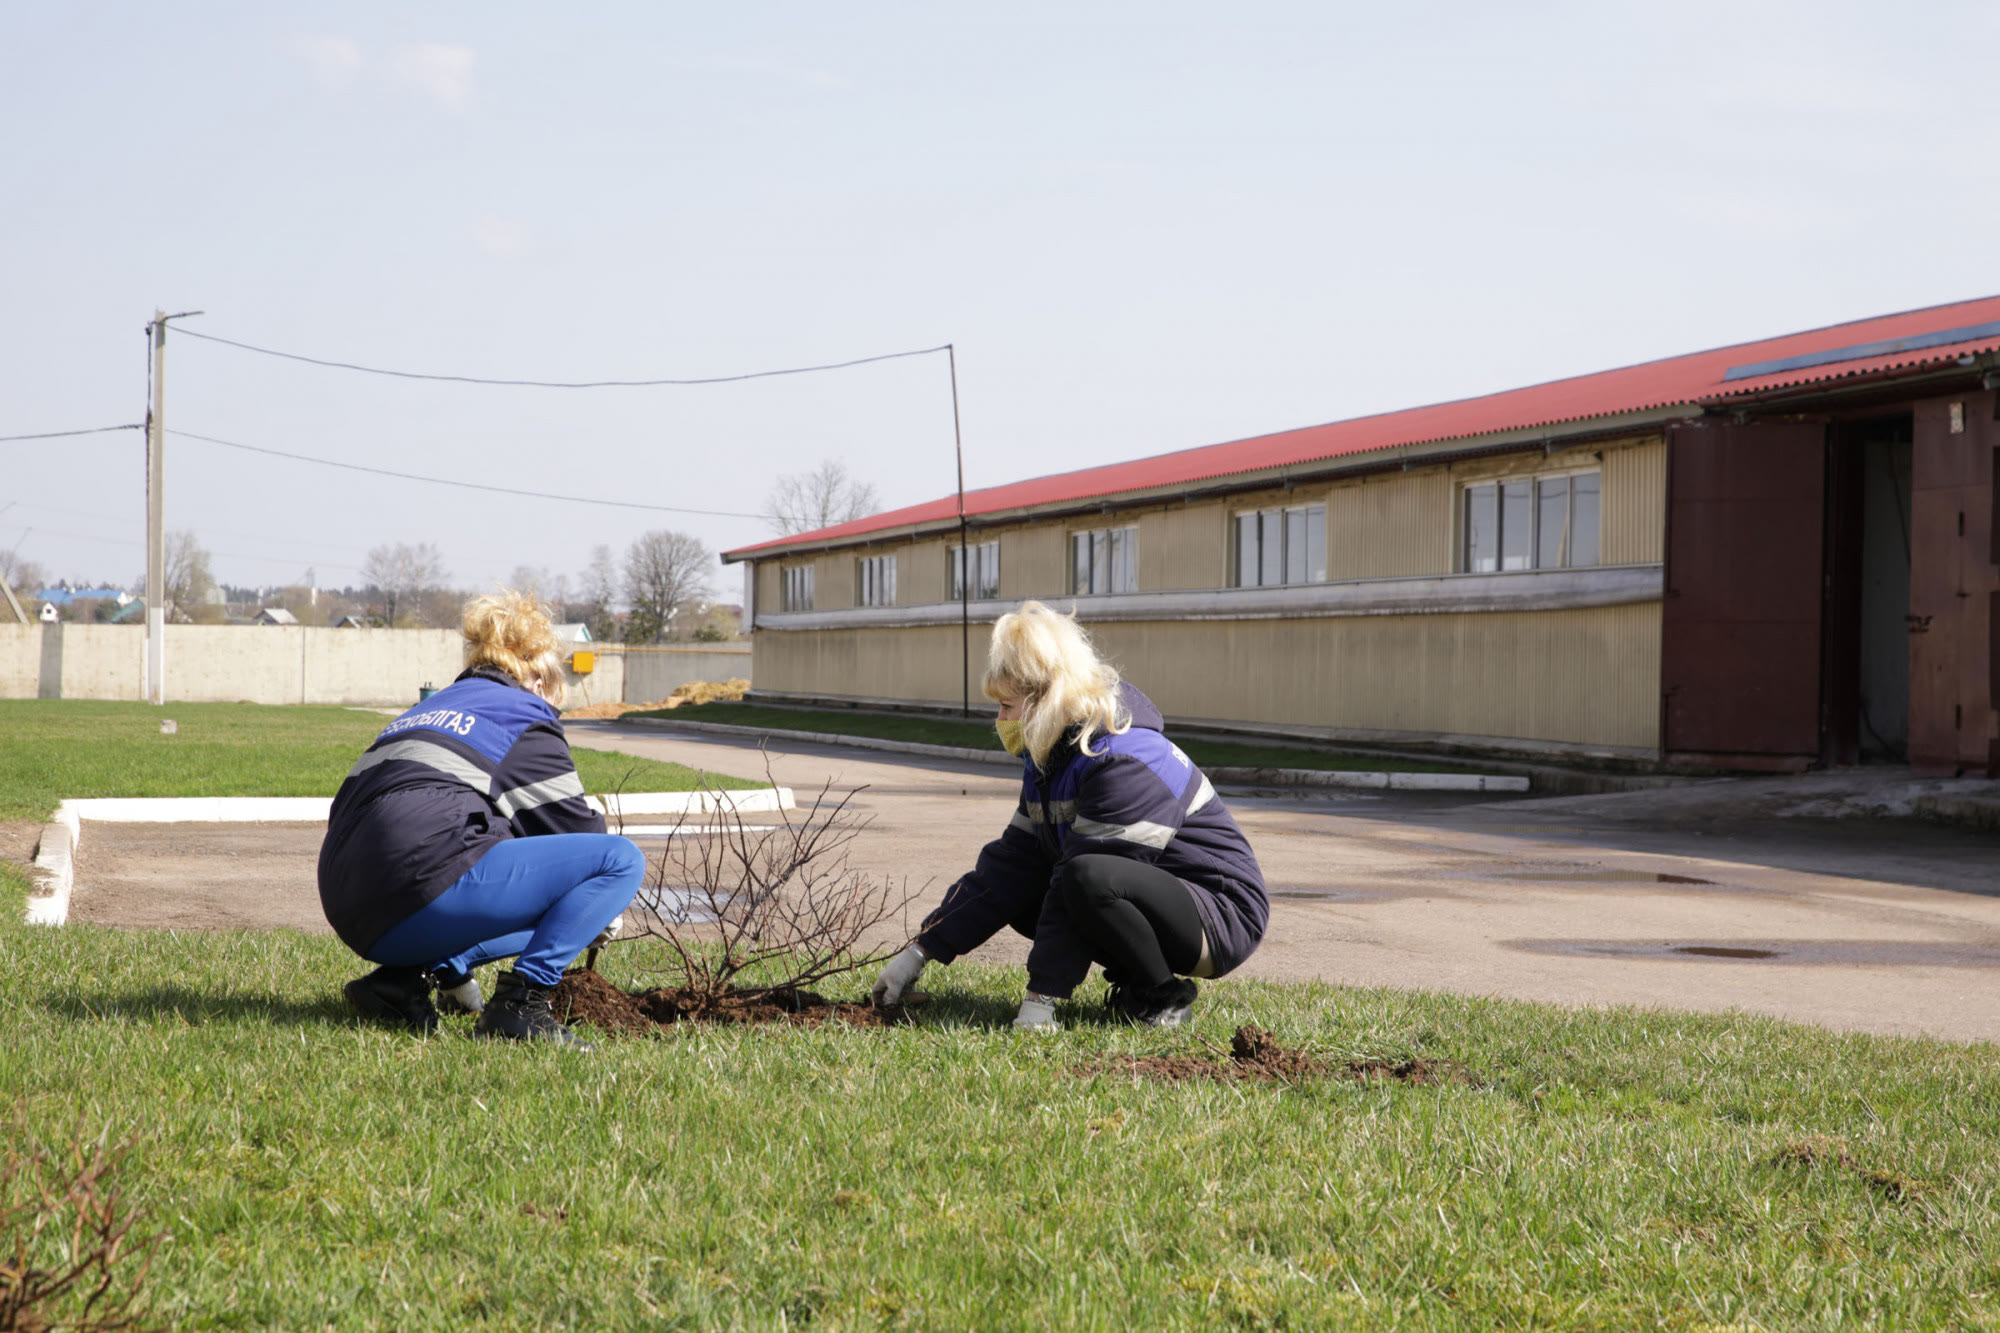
1682	380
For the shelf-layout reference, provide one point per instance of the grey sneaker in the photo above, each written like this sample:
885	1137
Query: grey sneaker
457	992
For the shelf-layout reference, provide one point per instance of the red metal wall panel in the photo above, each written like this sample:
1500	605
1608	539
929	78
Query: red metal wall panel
1740	652
1953	582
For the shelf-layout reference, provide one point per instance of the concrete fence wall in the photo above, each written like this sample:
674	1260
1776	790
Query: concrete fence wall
654	673
266	664
271	664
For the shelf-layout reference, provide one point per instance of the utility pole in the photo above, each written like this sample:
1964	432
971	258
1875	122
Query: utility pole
964	569
156	509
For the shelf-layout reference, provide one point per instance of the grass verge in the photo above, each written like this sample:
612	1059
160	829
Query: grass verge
980	736
52	750
1610	1170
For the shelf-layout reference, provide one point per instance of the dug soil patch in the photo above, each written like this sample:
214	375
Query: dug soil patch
1255	1056
586	997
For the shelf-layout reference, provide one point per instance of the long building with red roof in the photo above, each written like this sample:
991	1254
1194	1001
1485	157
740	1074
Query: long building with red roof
1764	556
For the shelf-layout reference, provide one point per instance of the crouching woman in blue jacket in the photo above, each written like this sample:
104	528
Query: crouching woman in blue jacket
1119	852
462	836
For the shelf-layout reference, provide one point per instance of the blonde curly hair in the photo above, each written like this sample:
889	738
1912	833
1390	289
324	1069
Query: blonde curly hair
511	630
1045	660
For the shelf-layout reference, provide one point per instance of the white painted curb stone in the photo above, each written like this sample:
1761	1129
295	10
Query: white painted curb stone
55	854
55	870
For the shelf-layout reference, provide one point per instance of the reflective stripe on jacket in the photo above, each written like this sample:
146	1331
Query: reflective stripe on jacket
481	761
1138	796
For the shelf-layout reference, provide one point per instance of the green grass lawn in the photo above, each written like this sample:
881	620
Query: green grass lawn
54	749
981	736
1611	1170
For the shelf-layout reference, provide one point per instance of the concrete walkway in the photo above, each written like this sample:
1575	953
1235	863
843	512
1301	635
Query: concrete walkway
1686	898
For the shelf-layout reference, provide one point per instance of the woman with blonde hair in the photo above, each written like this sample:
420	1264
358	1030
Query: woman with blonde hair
462	836
1119	852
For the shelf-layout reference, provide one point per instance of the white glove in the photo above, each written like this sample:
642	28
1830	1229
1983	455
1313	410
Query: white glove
897	978
610	932
1038	1014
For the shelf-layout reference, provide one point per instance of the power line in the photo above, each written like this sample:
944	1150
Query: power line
562	384
452	481
102	540
60	434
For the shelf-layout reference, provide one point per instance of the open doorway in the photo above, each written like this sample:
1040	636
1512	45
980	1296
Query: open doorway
1867	692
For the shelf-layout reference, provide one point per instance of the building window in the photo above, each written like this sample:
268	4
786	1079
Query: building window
875	580
985	560
1533	523
1275	546
1104	560
798	588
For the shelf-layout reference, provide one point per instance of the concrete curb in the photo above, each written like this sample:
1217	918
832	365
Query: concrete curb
1265	777
312	809
55	853
1318	777
55	870
997	757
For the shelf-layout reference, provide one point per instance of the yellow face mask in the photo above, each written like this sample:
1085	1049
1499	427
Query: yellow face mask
1010	734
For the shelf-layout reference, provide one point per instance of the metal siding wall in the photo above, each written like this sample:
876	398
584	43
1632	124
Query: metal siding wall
1574	677
833	581
1184	548
1635	504
770	587
1584	678
1385	527
920	573
920	665
1032	562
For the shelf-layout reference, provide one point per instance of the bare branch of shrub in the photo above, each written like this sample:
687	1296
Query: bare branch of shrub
66	1240
730	900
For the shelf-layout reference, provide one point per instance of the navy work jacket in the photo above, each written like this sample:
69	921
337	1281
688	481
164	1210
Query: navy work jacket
1138	796
481	761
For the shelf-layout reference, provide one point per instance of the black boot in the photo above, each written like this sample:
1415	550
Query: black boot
399	996
519	1010
1167	1005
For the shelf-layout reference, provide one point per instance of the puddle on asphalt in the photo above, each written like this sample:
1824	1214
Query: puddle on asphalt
1837	953
1600	877
680	907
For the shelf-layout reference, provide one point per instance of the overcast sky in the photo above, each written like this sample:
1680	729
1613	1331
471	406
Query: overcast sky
1145	226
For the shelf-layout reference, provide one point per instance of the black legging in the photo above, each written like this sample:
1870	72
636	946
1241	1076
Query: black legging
1139	921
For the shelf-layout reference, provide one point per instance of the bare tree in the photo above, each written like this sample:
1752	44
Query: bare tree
23	575
402	574
596	591
763	911
805	501
663	571
543	585
188	577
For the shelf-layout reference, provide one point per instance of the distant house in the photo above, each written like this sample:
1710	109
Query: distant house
276	615
132	612
358	622
64	596
573	633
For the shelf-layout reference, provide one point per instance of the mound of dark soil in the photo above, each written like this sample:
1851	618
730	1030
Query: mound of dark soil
1255	1056
586	997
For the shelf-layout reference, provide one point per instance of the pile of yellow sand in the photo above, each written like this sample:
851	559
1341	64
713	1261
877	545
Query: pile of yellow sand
694	692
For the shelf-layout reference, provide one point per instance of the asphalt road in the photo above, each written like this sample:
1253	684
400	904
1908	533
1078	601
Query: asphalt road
1683	898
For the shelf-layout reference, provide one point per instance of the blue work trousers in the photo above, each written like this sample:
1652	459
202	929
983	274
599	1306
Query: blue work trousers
542	898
